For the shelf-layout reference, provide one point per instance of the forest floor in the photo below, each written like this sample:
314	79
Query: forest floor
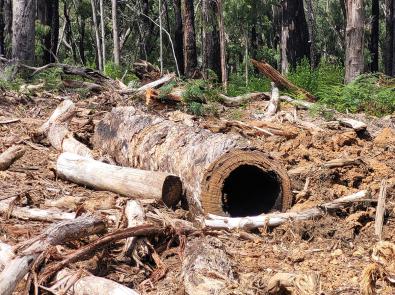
338	247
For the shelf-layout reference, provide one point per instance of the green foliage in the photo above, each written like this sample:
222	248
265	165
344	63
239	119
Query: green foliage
373	94
237	85
41	32
117	72
195	108
199	91
166	89
50	77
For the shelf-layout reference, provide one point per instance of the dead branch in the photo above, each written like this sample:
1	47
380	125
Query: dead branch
279	79
56	234
342	162
82	84
9	156
380	210
276	219
141	91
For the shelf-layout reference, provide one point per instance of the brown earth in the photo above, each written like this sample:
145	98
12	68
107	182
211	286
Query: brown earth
338	246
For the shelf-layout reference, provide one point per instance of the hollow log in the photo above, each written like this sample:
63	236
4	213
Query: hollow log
126	181
56	234
206	268
220	172
82	284
9	156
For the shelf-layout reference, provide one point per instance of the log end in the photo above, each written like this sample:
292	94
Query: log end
172	190
245	183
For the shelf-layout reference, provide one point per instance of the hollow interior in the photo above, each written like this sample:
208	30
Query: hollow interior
250	190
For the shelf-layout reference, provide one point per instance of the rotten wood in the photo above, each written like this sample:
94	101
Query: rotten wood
204	160
10	155
279	79
276	219
126	181
56	234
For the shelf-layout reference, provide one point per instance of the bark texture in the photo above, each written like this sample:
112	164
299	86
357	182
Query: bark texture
190	54
115	34
374	36
294	34
354	40
210	41
204	161
23	30
178	34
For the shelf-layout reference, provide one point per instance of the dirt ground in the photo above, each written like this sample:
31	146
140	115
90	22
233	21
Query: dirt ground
337	246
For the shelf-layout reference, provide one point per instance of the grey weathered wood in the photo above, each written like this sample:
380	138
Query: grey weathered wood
380	210
9	156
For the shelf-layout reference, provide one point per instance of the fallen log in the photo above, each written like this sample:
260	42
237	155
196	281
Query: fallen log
242	99
28	213
122	180
63	113
82	284
276	219
297	102
9	156
206	269
56	234
279	79
141	91
6	255
82	84
218	171
63	140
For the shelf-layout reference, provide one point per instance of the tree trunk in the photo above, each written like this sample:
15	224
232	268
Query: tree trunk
97	35
389	56
311	28
7	14
81	44
294	35
103	35
190	55
115	32
354	62
23	28
374	37
222	42
2	29
217	170
254	33
178	35
210	43
48	14
129	182
69	32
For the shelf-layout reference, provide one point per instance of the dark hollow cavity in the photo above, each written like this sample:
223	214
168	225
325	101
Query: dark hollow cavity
250	191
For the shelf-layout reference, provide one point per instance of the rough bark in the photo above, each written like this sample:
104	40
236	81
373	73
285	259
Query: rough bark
115	34
8	157
190	54
56	234
23	30
178	34
48	14
311	29
2	29
204	160
294	34
222	45
210	38
354	62
123	180
97	36
374	36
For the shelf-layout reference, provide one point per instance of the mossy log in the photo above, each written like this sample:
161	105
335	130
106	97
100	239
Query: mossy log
221	173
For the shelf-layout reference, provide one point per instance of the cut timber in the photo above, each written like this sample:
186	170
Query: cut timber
218	171
63	113
279	79
276	219
28	213
9	156
63	140
56	234
206	268
242	99
122	180
82	284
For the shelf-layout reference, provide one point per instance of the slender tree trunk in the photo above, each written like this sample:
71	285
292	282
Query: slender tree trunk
178	34
210	42
294	34
115	32
103	34
97	34
374	38
311	28
160	37
2	29
69	32
23	27
354	62
222	41
254	33
48	14
7	14
389	55
392	39
190	55
81	44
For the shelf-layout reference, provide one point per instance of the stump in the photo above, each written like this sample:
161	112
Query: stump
221	173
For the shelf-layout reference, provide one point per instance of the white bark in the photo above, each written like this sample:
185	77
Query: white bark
141	91
135	215
276	219
115	32
90	284
130	182
64	112
56	234
97	35
274	102
6	255
103	36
